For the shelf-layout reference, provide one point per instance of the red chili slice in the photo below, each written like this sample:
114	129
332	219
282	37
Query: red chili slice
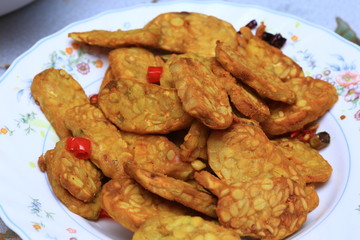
306	135
94	99
303	135
104	214
80	147
295	134
154	74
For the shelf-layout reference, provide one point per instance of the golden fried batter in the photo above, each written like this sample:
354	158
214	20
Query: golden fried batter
246	102
252	73
243	152
119	38
197	185
311	165
108	76
156	153
312	197
265	208
166	79
269	57
314	98
132	63
194	145
184	228
80	177
131	205
58	163
56	91
183	32
201	95
173	189
108	150
244	99
143	108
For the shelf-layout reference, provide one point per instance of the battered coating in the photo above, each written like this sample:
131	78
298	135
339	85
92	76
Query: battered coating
119	38
108	76
201	95
183	32
56	91
108	150
58	164
173	189
166	79
244	99
269	57
265	208
311	165
143	108
243	152
312	197
252	73
156	153
314	98
80	177
184	228
131	205
132	63
194	145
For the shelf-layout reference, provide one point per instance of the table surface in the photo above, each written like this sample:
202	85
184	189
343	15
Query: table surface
21	29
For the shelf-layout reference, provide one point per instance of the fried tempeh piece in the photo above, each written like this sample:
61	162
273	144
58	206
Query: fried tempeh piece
312	196
166	79
158	154
201	95
131	205
132	63
80	177
252	73
312	166
272	59
265	208
243	152
183	32
194	145
143	108
56	91
57	164
108	150
108	76
182	227
115	39
244	100
314	98
173	189
179	32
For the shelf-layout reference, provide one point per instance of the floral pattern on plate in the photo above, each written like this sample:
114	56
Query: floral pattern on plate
77	58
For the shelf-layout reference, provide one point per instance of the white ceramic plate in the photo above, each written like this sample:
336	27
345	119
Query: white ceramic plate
27	204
